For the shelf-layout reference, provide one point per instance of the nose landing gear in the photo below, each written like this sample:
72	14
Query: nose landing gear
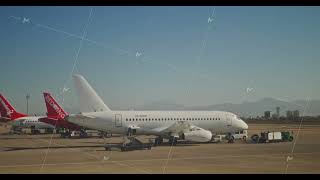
230	138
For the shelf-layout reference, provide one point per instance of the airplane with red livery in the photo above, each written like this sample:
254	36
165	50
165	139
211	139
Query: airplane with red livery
56	117
17	119
56	114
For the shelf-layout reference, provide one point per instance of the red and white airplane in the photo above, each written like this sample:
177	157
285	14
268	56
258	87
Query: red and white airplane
56	115
17	119
3	113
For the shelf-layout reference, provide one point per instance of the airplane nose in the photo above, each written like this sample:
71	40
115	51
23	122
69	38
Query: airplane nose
241	125
244	125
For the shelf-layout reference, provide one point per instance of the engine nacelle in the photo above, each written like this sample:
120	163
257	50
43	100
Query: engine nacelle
197	134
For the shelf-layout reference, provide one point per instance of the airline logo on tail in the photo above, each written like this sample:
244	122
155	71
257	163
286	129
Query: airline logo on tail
8	110
57	110
5	107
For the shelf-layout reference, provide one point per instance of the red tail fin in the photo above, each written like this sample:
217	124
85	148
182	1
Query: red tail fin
7	110
3	112
53	108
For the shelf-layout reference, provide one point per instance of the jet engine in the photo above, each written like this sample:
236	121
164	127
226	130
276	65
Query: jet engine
197	134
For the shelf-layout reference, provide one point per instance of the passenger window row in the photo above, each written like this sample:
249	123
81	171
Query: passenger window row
170	119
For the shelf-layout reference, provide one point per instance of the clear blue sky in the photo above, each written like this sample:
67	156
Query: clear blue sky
274	50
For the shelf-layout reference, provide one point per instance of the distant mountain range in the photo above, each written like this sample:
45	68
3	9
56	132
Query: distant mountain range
245	109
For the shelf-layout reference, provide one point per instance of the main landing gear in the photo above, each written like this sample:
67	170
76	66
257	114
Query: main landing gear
173	141
158	141
83	133
65	133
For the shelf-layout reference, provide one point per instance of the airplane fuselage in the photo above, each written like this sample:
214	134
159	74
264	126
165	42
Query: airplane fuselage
148	121
29	122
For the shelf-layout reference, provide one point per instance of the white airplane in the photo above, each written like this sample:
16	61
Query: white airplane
18	119
195	126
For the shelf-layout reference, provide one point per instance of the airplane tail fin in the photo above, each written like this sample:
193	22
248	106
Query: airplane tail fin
7	110
89	100
54	110
3	112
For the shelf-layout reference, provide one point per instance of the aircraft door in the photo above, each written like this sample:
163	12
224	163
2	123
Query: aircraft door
229	120
118	120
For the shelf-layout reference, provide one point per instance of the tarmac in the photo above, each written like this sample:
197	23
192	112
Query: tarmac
52	154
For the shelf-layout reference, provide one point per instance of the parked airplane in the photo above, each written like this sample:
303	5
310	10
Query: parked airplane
196	126
18	119
56	115
3	113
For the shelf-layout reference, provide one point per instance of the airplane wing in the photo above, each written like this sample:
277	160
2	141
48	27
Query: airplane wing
174	128
81	116
47	118
78	119
184	130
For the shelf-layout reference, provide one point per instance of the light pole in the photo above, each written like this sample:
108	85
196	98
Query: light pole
27	97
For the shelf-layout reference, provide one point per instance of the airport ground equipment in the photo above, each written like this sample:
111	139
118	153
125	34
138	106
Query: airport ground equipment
131	143
269	137
102	134
287	136
67	133
241	135
15	130
217	138
230	138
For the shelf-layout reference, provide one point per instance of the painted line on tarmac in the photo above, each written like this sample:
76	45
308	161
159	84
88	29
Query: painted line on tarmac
50	164
130	166
90	154
214	157
71	149
159	159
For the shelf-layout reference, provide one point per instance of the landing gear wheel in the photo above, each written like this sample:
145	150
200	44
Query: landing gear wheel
62	135
68	134
255	138
244	138
290	138
173	141
83	135
231	140
158	141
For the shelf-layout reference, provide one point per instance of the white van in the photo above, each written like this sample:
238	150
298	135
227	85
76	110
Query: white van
75	133
241	135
